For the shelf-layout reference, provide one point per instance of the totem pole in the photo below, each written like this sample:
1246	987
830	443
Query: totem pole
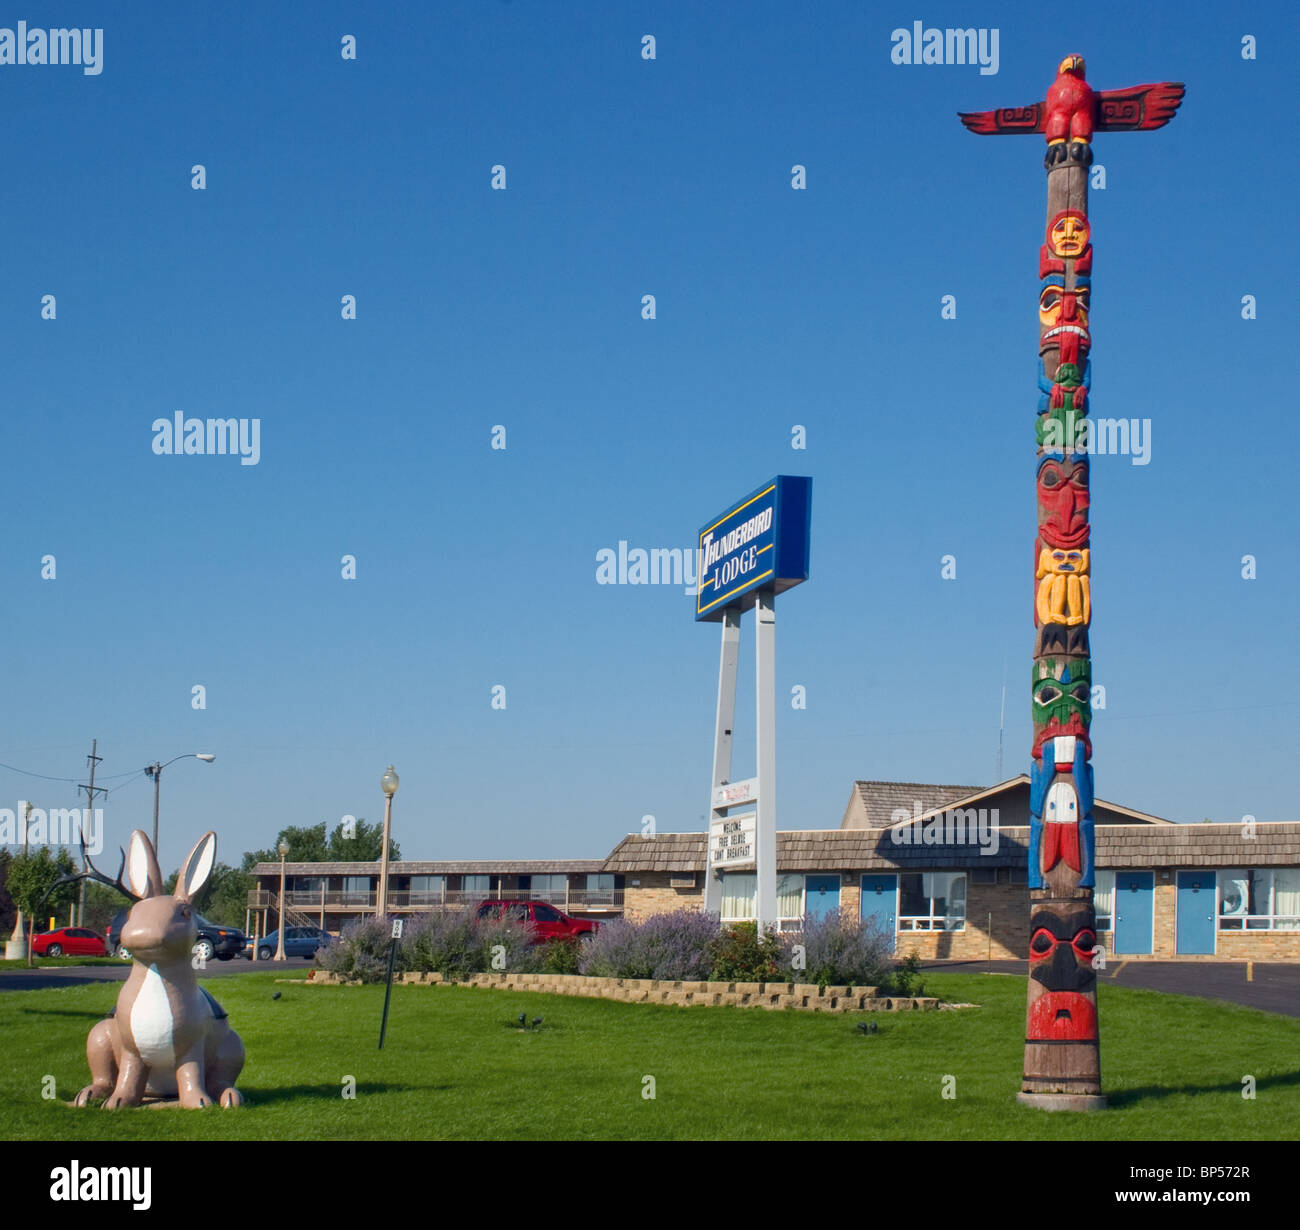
1062	1044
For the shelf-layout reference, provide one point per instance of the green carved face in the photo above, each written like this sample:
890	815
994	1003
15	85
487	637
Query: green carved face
1063	429
1062	690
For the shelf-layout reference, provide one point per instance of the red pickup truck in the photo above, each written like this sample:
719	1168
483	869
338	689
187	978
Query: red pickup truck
546	922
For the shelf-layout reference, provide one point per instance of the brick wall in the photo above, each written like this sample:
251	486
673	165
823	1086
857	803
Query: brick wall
655	895
1009	906
1165	909
1259	945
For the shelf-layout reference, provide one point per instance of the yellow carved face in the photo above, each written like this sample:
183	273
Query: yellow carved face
1057	306
1068	234
1058	560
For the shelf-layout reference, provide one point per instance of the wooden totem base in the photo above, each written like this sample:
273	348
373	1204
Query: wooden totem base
1062	1101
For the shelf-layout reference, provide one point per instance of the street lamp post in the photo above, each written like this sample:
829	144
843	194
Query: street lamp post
155	771
389	783
283	847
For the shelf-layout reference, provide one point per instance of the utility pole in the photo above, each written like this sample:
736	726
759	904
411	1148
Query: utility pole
93	760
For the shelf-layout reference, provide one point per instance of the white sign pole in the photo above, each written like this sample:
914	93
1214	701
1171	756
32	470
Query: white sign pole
722	744
765	683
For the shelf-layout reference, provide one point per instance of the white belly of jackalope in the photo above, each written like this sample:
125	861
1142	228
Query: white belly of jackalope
153	1027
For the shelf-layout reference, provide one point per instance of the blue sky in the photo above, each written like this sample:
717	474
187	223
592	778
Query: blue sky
476	567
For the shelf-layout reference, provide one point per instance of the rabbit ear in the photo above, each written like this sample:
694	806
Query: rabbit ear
196	869
142	867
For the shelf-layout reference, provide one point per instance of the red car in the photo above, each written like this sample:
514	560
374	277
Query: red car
546	921
69	942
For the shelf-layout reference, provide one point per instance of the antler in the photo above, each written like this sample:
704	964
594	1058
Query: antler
92	873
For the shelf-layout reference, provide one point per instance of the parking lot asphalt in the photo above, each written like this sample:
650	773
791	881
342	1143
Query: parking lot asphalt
1274	987
78	975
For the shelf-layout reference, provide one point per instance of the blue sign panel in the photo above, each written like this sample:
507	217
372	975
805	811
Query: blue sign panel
760	542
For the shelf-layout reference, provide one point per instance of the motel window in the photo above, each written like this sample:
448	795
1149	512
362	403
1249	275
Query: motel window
789	903
1103	900
740	899
932	901
356	890
426	890
600	889
306	884
549	887
476	884
739	892
1259	900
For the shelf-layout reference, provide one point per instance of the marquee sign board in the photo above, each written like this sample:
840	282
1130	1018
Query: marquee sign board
735	794
759	543
732	842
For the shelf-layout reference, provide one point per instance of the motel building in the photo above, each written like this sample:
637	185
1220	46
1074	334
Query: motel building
941	867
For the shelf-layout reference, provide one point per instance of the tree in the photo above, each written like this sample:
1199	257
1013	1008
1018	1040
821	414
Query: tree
225	898
306	845
309	845
8	911
102	904
365	845
32	875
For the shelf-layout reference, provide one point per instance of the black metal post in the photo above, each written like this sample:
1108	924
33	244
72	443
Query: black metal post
388	990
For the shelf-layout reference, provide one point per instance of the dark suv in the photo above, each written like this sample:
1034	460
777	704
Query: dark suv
213	940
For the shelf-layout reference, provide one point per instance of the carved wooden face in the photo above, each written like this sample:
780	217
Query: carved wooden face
1063	981
1063	501
1068	234
1062	560
1054	728
1059	699
1058	306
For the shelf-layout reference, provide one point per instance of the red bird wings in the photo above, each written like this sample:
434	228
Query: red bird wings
1139	108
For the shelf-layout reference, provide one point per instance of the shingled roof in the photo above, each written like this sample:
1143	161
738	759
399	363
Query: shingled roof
662	852
872	804
1120	846
919	800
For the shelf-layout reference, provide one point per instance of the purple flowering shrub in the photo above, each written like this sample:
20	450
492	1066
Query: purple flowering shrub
456	943
361	951
837	950
684	945
677	946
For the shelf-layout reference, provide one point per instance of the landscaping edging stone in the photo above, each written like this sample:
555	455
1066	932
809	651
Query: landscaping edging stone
806	996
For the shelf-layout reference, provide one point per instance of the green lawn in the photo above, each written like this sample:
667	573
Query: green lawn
455	1065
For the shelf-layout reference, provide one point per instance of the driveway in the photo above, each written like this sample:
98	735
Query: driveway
78	975
1274	988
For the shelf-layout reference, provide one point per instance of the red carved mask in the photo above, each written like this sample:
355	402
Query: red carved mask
1063	502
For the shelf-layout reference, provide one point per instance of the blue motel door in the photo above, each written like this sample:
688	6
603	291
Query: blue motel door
822	895
879	898
1134	892
1197	894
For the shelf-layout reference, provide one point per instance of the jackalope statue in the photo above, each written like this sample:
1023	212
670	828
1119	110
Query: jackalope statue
167	1037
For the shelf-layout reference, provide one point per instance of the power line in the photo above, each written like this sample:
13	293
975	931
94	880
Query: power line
29	773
